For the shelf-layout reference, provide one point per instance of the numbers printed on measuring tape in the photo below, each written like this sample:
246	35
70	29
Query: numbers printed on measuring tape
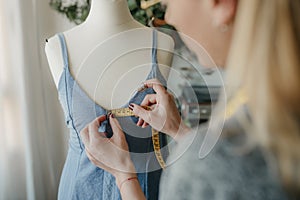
125	112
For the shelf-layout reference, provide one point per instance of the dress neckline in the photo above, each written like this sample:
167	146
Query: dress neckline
67	69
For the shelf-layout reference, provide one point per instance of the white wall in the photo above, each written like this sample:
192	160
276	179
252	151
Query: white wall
49	23
33	133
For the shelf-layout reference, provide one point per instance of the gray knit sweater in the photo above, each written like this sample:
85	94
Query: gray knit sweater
226	173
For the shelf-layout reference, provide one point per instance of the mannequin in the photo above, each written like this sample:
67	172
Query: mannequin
98	66
109	25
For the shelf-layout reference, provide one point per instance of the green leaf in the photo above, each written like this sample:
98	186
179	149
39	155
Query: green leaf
79	14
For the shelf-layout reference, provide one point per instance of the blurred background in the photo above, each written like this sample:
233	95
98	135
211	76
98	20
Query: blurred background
33	137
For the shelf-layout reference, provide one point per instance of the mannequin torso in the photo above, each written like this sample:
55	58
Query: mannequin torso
109	54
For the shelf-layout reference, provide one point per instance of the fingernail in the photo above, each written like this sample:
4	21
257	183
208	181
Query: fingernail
131	106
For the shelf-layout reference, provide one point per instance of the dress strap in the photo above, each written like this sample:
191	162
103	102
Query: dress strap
64	49
69	85
155	71
154	46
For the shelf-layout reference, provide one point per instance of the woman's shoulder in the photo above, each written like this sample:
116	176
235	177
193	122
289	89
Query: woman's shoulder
229	171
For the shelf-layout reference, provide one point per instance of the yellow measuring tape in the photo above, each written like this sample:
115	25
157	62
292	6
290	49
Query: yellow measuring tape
126	112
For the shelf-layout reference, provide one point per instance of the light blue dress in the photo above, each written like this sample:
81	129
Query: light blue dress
81	179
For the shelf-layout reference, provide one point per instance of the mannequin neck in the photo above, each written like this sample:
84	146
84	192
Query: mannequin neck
109	12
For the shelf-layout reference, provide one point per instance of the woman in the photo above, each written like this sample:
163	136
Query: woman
258	154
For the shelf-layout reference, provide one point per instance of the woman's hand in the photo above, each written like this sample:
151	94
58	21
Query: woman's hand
164	115
110	154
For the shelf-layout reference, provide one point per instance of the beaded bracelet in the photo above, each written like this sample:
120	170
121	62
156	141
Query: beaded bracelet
127	179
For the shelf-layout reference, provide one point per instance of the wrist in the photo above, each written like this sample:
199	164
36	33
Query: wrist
180	132
123	177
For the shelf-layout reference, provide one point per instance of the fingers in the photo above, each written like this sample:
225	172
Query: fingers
116	128
100	119
156	85
93	129
145	124
142	123
94	125
149	99
118	137
142	113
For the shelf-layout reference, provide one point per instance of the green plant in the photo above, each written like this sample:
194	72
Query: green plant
77	10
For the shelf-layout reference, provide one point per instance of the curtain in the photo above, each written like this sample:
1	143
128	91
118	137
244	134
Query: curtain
32	131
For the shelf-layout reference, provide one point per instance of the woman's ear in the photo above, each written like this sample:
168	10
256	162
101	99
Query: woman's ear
224	11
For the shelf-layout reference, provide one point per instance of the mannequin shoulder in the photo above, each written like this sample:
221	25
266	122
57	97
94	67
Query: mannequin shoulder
53	51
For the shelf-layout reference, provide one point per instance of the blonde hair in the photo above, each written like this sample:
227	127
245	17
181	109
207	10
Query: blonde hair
265	61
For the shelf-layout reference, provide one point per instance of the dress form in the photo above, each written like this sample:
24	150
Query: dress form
109	54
